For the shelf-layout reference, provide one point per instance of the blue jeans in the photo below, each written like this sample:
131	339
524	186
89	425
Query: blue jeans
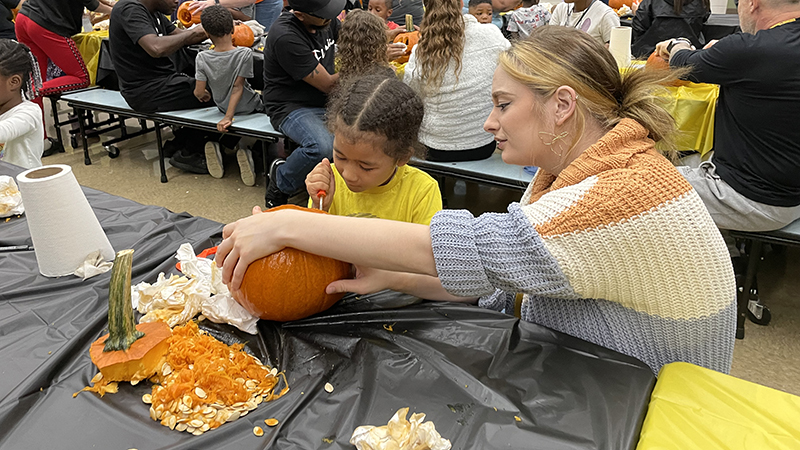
306	127
268	11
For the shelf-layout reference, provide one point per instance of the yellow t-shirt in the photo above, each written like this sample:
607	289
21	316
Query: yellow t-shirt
411	196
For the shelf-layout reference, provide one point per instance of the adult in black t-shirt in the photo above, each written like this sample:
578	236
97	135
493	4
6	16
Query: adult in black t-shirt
6	17
142	39
298	75
753	180
656	20
46	27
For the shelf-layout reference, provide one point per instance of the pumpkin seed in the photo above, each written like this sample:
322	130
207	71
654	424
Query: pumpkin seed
328	388
190	429
166	369
187	401
181	427
173	421
147	398
273	372
271	422
196	423
152	413
97	377
197	432
250	384
200	392
258	431
205	427
234	415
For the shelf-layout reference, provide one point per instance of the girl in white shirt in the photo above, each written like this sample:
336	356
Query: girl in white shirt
21	128
591	16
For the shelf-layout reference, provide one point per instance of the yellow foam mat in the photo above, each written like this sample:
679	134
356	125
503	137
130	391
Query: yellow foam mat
696	408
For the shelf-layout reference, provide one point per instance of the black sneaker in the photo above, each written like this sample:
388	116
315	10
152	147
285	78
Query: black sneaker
274	196
195	162
170	148
55	147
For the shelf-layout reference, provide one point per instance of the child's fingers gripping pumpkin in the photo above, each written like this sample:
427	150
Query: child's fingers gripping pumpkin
321	179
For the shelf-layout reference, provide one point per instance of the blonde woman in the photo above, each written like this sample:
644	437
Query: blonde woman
451	68
609	243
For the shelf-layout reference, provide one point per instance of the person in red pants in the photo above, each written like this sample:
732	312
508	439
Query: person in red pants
45	26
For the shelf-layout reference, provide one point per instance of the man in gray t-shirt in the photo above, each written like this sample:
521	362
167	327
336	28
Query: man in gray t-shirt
220	70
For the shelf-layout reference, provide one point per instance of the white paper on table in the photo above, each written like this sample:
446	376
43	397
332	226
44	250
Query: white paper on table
10	197
94	264
176	300
400	434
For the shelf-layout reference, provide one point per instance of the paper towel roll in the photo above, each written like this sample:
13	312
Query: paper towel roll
63	226
620	45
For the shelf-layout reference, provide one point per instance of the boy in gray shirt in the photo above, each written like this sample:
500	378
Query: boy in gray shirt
224	70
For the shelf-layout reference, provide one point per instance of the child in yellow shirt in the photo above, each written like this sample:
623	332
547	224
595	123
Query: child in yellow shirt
375	120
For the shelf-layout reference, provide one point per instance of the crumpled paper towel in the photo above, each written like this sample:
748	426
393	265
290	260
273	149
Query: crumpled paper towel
94	264
10	198
176	300
400	434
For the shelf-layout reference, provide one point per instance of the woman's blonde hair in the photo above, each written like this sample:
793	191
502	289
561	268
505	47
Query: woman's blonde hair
557	56
441	40
362	44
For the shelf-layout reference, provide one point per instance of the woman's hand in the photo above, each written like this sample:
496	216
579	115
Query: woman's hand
396	50
367	281
321	179
247	240
198	6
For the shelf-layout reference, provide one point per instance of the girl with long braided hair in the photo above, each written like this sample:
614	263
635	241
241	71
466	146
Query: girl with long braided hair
21	128
375	120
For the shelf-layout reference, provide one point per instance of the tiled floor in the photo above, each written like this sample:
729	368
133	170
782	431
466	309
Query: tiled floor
768	355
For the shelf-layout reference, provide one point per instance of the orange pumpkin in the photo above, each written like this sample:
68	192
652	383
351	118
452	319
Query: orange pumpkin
655	61
290	284
617	4
186	17
243	36
410	39
129	352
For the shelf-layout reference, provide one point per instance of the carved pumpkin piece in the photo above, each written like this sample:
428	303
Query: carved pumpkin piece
410	40
129	352
243	36
186	17
290	284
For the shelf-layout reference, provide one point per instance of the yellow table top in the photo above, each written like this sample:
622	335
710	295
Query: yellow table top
696	408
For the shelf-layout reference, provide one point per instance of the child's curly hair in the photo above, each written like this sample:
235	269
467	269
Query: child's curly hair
379	104
217	21
441	40
362	44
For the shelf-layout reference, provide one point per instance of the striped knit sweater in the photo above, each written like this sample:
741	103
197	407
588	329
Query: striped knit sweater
617	250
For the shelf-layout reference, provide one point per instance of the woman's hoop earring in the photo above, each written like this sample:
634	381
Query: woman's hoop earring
554	139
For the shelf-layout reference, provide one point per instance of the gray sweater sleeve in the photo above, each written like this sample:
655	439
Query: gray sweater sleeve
477	256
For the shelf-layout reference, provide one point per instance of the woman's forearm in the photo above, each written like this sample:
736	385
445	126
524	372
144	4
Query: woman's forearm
382	244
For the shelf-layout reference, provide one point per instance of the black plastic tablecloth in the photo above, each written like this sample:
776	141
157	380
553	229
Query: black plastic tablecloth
470	370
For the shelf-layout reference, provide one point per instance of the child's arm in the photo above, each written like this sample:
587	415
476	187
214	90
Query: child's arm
321	179
236	96
201	92
17	125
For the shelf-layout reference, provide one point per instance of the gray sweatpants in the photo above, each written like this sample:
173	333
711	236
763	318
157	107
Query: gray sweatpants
731	210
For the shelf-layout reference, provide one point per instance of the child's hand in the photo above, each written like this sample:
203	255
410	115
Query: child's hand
396	50
204	96
321	179
222	125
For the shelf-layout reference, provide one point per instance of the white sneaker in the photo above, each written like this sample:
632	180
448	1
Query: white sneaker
214	160
246	167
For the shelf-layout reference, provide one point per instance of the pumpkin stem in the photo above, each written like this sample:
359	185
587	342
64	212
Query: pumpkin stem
409	23
122	331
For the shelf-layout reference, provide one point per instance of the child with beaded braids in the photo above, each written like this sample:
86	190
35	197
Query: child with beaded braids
21	128
375	120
